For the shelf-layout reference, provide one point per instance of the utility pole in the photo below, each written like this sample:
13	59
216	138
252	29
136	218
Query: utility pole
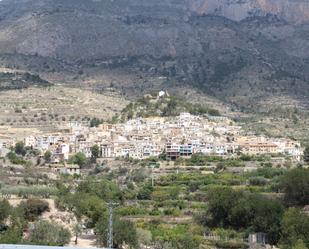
110	238
152	180
110	242
152	166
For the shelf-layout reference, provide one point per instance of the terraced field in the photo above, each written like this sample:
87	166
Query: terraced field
47	108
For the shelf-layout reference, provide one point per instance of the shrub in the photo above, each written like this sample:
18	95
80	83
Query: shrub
145	192
130	210
171	212
144	236
33	208
257	181
48	233
15	159
11	236
160	195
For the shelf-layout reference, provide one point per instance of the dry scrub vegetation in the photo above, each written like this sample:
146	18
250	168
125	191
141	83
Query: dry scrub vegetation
46	108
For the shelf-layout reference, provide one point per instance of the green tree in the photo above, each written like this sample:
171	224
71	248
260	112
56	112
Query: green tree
4	210
89	206
300	245
228	208
20	148
267	218
124	232
171	108
47	156
102	188
95	122
145	192
77	230
48	233
257	214
295	227
79	159
18	219
219	206
95	151
89	199
295	185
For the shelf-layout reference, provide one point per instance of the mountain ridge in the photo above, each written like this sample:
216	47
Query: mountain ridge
239	61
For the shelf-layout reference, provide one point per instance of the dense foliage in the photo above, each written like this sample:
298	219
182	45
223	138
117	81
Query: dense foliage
295	228
295	185
164	107
239	210
14	159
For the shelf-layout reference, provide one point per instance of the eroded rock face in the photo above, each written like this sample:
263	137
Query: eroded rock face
293	11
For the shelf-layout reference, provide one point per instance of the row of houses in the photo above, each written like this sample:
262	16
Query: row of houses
251	147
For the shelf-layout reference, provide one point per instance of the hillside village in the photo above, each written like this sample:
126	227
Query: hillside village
142	138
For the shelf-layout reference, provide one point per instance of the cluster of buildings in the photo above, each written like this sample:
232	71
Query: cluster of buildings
172	137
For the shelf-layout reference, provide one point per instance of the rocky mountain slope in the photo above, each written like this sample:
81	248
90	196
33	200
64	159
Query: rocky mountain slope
241	51
293	11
